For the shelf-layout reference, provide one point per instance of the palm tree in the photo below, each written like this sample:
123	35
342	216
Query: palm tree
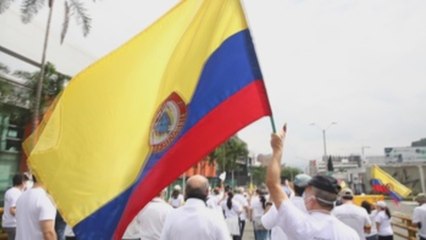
54	84
5	88
29	8
4	68
75	8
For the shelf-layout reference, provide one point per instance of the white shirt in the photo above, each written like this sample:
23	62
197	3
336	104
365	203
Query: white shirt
270	221
299	203
213	203
256	206
373	231
32	207
148	223
176	202
419	216
385	224
270	218
195	221
152	217
313	226
10	198
354	216
234	211
244	204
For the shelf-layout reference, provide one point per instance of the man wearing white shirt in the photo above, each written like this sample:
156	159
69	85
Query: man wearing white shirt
352	215
194	220
148	223
35	215
239	197
213	201
419	215
10	198
271	218
319	198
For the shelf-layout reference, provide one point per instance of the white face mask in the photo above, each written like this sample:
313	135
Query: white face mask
28	184
306	199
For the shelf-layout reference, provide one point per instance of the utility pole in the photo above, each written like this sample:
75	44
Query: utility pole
323	130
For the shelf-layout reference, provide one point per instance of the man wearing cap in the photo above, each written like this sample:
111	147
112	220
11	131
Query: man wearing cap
271	218
300	183
352	215
419	215
319	197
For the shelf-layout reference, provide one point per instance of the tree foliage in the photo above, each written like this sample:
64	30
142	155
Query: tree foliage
258	174
290	172
4	87
4	69
54	83
72	8
227	155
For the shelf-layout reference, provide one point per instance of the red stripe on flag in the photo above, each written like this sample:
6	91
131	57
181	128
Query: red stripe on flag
241	109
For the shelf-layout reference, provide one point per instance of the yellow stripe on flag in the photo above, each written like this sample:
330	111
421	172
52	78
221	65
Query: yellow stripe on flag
389	181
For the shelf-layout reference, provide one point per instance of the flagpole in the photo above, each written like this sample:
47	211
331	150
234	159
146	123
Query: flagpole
274	130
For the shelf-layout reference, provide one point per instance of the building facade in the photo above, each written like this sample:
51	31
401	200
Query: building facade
14	117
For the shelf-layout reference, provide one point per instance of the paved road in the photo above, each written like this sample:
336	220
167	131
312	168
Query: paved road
248	231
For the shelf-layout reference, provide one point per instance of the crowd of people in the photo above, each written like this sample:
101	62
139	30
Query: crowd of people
308	208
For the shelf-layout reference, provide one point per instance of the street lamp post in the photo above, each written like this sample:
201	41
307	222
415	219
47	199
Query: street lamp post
363	159
362	151
324	137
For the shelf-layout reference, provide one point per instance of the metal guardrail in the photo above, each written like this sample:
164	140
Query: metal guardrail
404	223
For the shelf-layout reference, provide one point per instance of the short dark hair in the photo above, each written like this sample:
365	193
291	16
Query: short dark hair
348	197
367	206
299	190
18	179
175	194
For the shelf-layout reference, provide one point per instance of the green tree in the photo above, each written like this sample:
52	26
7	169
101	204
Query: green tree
29	8
74	8
227	155
4	87
4	69
258	174
54	83
290	172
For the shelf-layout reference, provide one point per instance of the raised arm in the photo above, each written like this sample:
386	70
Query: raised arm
274	169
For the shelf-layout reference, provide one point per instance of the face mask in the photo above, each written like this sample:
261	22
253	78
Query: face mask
306	198
28	184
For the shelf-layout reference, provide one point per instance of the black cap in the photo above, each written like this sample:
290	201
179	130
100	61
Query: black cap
325	183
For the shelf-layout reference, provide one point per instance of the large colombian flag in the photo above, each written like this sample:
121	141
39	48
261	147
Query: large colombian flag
131	123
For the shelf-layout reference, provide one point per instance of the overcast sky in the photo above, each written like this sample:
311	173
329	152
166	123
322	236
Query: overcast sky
361	64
